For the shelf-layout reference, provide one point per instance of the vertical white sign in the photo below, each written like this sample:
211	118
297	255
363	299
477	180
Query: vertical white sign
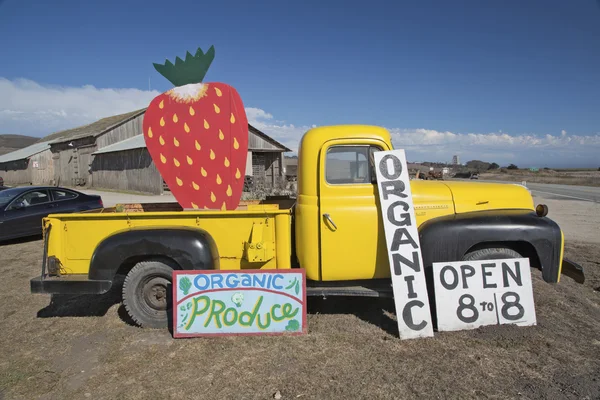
404	249
470	294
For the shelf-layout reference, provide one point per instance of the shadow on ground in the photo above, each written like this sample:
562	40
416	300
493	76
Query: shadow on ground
377	311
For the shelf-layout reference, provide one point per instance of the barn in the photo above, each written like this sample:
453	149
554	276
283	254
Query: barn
127	165
72	149
31	165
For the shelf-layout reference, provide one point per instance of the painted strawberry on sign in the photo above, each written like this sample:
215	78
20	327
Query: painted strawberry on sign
197	135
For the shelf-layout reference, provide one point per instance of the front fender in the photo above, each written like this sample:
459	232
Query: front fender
449	238
190	248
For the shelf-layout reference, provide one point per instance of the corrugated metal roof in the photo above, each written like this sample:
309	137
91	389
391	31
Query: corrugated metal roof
135	142
25	152
94	129
138	142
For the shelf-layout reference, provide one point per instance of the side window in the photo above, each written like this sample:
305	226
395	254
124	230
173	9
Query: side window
62	194
349	164
32	198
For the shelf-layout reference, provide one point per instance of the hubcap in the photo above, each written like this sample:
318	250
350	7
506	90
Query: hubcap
155	293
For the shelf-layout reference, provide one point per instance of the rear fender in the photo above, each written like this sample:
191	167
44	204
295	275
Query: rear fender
189	248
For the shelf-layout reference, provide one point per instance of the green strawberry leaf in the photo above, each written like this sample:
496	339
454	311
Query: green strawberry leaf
297	288
189	305
182	308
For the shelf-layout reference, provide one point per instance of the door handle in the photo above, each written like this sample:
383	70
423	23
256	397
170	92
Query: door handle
328	218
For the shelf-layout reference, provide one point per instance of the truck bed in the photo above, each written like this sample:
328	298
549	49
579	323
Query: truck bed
72	238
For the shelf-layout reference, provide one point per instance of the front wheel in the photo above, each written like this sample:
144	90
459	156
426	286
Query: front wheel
146	293
493	253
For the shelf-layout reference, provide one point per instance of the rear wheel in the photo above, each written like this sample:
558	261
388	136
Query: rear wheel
147	293
492	253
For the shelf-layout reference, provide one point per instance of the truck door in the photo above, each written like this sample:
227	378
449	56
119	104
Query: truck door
352	236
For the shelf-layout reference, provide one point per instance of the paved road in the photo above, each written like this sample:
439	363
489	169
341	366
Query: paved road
557	192
566	192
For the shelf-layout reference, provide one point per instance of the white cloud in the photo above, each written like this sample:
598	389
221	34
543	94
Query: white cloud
27	107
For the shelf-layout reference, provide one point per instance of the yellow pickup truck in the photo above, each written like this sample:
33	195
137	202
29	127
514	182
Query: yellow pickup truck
333	229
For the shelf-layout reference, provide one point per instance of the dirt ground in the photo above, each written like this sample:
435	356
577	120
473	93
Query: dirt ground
84	347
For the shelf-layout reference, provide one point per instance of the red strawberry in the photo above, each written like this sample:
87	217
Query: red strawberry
197	135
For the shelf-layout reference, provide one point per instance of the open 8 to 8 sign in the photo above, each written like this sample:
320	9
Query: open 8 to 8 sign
470	294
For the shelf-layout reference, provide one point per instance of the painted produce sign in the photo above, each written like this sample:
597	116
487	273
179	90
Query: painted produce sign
243	302
470	294
197	135
404	249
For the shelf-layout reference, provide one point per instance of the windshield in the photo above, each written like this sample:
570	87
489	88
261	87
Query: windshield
6	196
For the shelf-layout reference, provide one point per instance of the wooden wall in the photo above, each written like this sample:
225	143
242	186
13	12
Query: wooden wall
121	132
37	170
42	168
15	172
129	170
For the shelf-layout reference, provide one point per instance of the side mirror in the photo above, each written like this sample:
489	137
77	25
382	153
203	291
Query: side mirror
373	177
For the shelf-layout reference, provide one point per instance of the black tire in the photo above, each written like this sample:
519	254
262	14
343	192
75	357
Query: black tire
147	294
492	253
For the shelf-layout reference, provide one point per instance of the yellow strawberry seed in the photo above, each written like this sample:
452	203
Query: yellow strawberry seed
212	154
194	205
186	128
203	172
237	173
219	180
189	160
163	159
161	105
223	207
198	147
206	125
213	198
176	142
218	92
179	181
232	119
176	162
195	185
229	190
150	132
226	162
221	136
175	119
192	112
161	140
236	145
162	121
217	109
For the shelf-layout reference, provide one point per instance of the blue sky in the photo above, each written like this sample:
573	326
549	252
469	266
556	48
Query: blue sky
509	81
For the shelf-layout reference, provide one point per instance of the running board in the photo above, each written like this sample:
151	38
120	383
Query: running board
358	291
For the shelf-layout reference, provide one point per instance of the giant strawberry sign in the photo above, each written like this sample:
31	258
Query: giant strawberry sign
197	135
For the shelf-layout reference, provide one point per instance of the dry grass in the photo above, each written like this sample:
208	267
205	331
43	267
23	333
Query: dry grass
583	178
82	347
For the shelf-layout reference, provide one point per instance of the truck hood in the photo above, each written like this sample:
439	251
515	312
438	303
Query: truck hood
471	196
477	196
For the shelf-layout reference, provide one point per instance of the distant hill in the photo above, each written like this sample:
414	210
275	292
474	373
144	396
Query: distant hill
10	143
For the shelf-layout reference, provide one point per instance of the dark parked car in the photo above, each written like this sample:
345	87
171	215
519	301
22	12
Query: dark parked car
1	181
22	208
